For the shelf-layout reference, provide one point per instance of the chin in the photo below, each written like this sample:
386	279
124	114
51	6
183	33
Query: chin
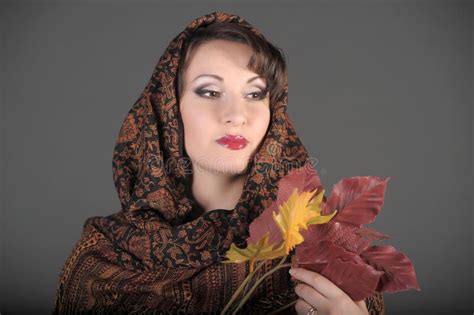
236	168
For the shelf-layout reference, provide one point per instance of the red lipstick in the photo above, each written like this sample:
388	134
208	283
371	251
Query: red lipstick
233	142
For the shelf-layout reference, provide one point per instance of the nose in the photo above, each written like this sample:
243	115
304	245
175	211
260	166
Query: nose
234	112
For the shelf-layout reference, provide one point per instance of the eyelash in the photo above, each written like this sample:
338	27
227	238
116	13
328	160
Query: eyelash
201	92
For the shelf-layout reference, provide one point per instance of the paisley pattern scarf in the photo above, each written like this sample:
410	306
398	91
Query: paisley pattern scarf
156	255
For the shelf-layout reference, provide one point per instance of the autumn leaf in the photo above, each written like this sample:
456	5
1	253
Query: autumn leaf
266	239
259	251
340	250
303	179
264	223
344	268
399	273
297	213
361	197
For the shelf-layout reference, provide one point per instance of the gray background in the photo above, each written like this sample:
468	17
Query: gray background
376	88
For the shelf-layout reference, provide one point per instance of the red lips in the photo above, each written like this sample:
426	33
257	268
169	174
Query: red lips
233	142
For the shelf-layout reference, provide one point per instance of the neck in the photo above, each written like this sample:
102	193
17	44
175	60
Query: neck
217	191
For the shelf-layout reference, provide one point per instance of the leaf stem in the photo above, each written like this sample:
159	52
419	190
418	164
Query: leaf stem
249	294
241	287
283	307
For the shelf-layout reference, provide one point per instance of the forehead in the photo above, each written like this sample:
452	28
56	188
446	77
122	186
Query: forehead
219	56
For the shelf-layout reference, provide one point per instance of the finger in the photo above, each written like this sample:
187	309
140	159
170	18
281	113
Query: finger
311	296
302	307
362	305
320	283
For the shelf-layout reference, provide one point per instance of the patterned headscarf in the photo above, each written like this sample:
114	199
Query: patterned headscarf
155	254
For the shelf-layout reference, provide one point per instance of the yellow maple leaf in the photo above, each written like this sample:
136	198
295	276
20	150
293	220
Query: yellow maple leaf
259	251
316	206
297	213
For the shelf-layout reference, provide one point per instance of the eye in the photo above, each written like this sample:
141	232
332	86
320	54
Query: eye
202	92
258	95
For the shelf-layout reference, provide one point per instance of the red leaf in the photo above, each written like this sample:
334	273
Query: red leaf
340	234
340	249
399	273
345	269
358	199
371	234
263	223
304	179
355	278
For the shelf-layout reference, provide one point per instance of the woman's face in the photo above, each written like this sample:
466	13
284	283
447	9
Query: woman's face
222	97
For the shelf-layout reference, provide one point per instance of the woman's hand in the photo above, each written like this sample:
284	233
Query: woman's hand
319	292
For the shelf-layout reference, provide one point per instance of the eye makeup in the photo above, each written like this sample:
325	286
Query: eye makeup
212	90
202	92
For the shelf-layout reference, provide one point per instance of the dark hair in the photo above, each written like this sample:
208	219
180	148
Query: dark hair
267	60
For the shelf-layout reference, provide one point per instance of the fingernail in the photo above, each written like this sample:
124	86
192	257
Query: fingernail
291	271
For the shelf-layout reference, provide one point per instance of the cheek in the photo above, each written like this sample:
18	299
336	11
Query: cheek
261	122
198	126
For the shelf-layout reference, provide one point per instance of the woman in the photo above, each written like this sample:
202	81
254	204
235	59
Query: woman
198	157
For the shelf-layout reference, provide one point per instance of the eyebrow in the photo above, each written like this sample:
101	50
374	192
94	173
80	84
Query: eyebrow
221	79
